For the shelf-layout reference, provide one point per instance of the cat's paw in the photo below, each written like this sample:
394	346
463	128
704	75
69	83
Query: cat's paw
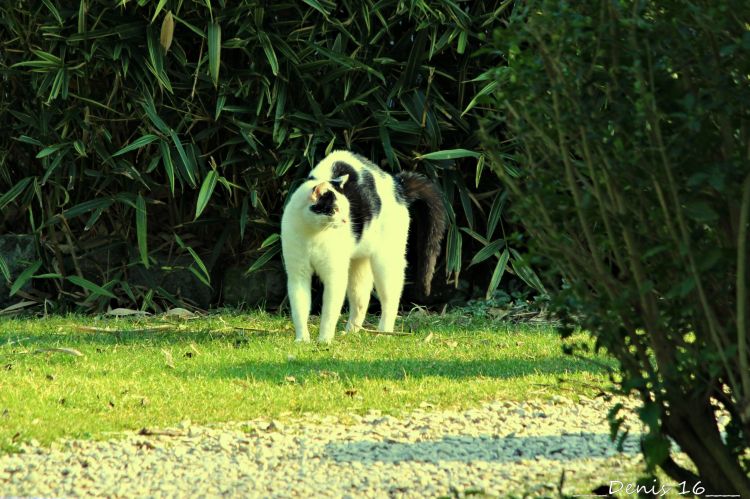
326	340
302	338
352	328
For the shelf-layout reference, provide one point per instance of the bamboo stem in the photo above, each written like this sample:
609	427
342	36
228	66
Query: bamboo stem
742	295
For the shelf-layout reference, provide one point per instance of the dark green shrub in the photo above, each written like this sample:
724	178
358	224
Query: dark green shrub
167	134
623	131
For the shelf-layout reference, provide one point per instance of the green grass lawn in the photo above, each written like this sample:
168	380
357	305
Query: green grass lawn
231	367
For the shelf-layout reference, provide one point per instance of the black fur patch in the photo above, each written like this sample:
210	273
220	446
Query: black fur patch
363	197
325	204
400	195
426	202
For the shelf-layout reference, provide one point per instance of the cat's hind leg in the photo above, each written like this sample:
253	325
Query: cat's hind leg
298	287
334	292
358	291
388	270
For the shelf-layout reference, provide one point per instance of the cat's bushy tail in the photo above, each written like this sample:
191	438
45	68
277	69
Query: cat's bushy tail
429	223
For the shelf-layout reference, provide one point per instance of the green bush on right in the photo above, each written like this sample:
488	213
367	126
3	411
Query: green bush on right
622	130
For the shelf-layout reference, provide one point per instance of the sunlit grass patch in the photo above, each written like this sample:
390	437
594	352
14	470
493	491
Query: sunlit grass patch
134	373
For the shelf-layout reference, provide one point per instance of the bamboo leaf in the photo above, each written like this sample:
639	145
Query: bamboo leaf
263	259
497	275
317	6
155	62
90	286
220	101
463	194
416	56
202	276
475	235
137	144
206	277
453	250
48	57
270	240
207	189
80	148
243	217
449	154
270	53
159	7
150	109
487	251
16	307
214	51
462	40
15	191
86	206
24	277
53	10
349	62
495	211
4	270
141	228
93	219
189	165
166	158
385	139
480	168
210	10
488	89
525	272
29	140
82	16
50	150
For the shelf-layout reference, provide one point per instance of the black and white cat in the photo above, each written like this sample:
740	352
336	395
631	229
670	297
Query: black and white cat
348	223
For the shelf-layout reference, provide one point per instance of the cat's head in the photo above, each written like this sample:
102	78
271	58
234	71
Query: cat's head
327	203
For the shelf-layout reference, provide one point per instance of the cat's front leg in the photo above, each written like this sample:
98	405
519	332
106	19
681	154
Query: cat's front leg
298	287
334	291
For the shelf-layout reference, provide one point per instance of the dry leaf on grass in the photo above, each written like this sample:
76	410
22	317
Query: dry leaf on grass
180	313
124	312
164	433
149	329
168	360
68	351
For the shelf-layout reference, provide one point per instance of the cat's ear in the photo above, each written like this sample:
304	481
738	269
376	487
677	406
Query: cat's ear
341	180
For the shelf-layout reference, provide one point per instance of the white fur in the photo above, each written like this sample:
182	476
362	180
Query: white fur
346	267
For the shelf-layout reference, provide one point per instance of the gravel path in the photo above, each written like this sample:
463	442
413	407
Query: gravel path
499	448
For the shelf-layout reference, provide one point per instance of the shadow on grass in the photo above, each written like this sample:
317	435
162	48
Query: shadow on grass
485	448
133	335
306	371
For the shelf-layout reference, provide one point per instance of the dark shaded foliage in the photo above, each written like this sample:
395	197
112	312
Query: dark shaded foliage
168	134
